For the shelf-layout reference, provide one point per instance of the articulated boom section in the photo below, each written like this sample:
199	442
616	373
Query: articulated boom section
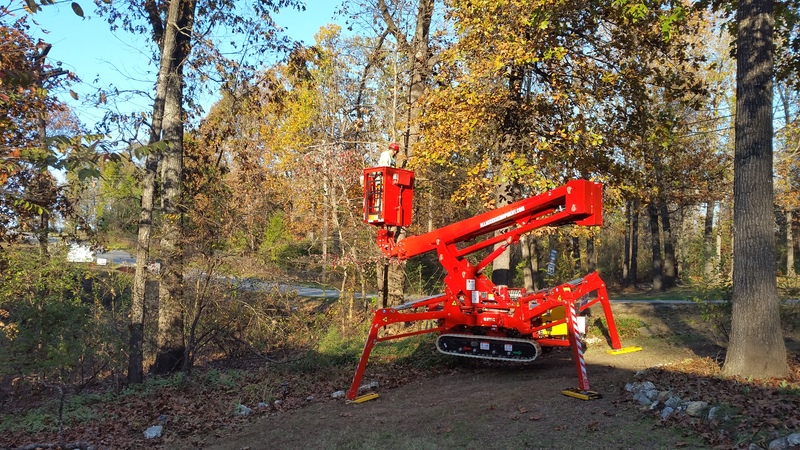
475	317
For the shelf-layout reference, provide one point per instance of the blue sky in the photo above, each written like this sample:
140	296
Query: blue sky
101	58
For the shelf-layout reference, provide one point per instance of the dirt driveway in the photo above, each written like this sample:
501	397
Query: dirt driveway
495	406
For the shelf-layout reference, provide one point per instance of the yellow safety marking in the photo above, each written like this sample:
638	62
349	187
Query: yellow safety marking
364	398
455	303
624	350
567	289
385	319
581	395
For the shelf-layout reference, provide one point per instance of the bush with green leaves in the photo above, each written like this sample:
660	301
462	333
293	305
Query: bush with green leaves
60	322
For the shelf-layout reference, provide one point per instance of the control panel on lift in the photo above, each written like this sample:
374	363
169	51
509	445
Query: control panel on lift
388	196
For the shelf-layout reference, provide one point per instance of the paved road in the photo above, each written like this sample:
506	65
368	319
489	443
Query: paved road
117	258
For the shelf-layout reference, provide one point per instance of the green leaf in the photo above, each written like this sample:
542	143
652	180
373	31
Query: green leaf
88	173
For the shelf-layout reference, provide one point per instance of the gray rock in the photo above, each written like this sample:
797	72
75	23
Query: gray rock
633	387
639	386
371	385
153	432
262	405
793	439
242	410
673	402
663	396
654	405
778	444
695	409
666	412
651	394
712	413
642	399
338	394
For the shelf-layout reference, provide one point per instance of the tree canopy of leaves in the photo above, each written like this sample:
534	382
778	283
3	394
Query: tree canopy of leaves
28	151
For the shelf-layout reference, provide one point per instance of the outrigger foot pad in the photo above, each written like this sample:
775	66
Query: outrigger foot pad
623	350
364	398
581	395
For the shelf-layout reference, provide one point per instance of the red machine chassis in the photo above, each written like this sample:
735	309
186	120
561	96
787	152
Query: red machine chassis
471	303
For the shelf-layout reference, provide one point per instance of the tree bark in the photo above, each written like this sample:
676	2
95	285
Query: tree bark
576	254
790	272
525	242
171	353
634	256
710	266
167	46
501	266
655	246
629	264
138	311
591	255
756	347
626	252
670	265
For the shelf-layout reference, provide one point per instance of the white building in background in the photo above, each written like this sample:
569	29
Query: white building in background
80	253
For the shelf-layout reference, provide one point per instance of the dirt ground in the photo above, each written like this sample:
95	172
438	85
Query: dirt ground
500	406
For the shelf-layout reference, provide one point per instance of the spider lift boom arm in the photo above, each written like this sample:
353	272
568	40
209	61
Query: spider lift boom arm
578	202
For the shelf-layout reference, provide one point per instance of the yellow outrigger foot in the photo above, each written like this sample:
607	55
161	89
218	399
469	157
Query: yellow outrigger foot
624	350
364	398
581	395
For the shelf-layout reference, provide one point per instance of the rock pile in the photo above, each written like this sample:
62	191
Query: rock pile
666	404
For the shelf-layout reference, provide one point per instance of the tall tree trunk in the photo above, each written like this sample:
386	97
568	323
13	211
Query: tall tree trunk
505	192
576	254
525	242
710	265
417	52
670	265
326	227
633	271
655	246
171	354
756	347
591	255
626	252
790	272
501	266
167	45
138	311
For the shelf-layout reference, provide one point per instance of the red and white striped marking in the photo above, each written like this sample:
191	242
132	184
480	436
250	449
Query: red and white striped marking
583	379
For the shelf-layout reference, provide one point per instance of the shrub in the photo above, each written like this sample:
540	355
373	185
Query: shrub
62	322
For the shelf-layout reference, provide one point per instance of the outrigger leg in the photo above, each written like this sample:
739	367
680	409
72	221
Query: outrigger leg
388	316
579	289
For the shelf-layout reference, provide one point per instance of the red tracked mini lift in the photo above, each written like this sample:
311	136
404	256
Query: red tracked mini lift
474	317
